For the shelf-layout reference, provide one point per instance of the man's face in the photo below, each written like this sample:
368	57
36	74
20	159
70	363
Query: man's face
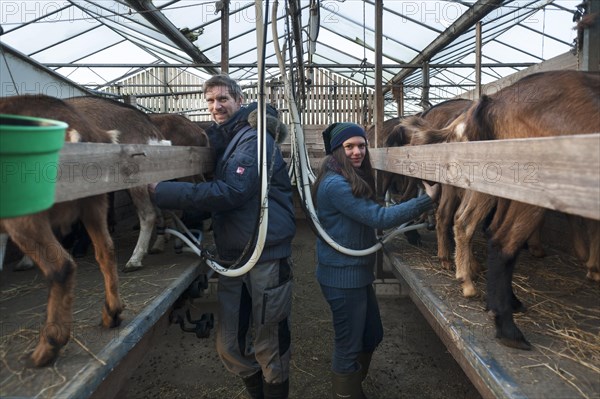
221	104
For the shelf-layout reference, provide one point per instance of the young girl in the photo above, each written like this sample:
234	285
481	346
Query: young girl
344	195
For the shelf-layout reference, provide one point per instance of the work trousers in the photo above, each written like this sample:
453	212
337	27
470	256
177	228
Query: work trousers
356	323
253	331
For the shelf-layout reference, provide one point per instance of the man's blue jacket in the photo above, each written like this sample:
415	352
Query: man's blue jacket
233	196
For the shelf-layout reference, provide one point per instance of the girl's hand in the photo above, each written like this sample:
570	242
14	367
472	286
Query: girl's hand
433	191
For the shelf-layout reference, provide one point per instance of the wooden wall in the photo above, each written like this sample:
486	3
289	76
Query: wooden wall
329	98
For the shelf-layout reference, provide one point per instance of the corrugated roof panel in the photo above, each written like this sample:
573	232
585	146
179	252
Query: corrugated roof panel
515	32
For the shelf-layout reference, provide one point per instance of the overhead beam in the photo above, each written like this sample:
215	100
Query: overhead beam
166	27
460	26
272	65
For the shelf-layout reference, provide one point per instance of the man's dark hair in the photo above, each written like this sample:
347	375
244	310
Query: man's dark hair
224	80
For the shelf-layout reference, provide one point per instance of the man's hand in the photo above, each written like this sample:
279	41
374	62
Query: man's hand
152	189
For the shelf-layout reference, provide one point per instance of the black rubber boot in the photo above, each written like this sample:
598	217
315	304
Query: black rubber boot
254	385
276	391
347	386
364	359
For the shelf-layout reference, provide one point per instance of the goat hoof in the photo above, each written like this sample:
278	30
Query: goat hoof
593	275
537	252
446	264
508	333
516	343
469	290
21	267
111	318
517	306
128	268
42	357
111	322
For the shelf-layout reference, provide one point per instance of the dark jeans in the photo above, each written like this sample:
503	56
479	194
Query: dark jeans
356	323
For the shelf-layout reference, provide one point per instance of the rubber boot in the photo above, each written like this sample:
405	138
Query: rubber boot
254	385
276	391
347	386
364	359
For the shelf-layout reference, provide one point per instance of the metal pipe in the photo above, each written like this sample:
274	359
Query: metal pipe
326	66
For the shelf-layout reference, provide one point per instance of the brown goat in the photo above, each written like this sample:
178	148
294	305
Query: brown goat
396	188
34	236
539	105
135	127
180	131
400	188
442	126
422	130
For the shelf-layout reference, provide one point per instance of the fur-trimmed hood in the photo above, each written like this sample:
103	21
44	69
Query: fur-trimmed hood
219	136
275	127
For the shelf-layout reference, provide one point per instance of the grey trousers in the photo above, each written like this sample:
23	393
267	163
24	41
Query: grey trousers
253	331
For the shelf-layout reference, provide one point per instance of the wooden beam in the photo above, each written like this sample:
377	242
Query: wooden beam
590	54
425	103
380	273
379	101
225	36
398	93
560	173
478	40
86	169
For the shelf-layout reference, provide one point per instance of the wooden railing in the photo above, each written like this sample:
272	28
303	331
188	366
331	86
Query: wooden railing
560	173
89	168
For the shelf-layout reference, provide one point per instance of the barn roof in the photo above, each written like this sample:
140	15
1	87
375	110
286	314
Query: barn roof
96	43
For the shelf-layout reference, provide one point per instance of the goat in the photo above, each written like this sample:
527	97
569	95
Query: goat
34	236
135	127
539	105
180	131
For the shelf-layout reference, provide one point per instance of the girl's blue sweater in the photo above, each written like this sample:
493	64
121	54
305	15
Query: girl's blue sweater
351	222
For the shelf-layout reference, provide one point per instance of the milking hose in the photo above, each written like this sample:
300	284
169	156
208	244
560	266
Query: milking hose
303	173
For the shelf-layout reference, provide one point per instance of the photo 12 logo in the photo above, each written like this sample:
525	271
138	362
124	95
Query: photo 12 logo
12	12
69	172
467	172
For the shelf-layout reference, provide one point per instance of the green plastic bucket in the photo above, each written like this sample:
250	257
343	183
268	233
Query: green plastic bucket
29	151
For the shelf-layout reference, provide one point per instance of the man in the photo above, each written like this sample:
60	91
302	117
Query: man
253	333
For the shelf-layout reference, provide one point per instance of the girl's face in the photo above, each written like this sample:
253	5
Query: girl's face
355	149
